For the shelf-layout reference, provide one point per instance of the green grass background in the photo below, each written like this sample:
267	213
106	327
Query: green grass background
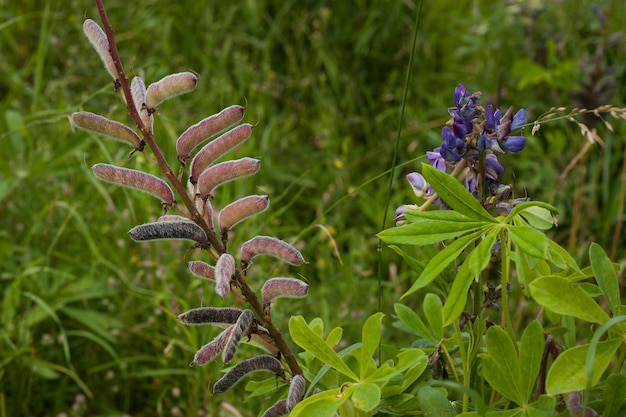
87	317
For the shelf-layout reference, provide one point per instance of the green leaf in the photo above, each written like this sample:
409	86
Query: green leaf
310	341
454	194
561	258
614	395
426	232
415	216
564	297
365	396
370	339
434	403
414	322
530	353
406	359
440	261
605	275
537	217
457	298
522	207
543	407
481	255
529	240
433	310
501	367
568	370
414	264
323	404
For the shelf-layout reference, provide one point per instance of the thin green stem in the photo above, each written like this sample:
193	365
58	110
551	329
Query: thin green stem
505	248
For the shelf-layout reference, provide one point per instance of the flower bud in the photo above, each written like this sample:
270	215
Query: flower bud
209	315
241	209
169	230
224	272
202	270
296	391
224	172
258	363
267	245
206	128
241	329
99	41
138	91
99	124
283	287
135	179
216	148
209	351
277	410
167	87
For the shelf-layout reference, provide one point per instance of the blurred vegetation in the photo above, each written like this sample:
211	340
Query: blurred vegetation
87	318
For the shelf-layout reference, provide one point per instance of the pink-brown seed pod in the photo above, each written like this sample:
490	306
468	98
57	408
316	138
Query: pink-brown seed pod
202	270
99	124
297	387
267	245
241	209
185	230
208	213
173	218
216	148
138	91
135	179
279	409
224	172
224	272
209	351
283	287
100	43
241	329
204	129
210	315
257	363
170	86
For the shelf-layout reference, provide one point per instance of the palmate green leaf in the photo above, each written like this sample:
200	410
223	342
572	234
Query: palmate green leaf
433	310
427	232
414	322
605	275
457	298
370	339
406	359
416	216
434	403
530	353
529	240
564	297
543	407
481	255
501	367
454	194
323	404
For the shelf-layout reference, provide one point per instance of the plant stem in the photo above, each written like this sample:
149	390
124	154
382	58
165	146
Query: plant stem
464	365
505	247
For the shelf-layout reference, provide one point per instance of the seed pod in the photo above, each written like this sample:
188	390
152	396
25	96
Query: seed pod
206	128
267	245
202	270
173	218
224	272
224	172
296	391
241	209
111	128
258	363
167	87
138	91
218	147
208	213
241	329
99	41
135	179
209	351
283	287
209	315
277	410
169	230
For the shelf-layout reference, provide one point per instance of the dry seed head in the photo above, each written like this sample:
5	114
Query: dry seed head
267	245
170	86
277	410
209	351
241	209
138	91
216	148
283	287
296	391
258	363
169	230
241	329
135	179
202	270
204	129
224	172
111	128
99	40
224	272
210	315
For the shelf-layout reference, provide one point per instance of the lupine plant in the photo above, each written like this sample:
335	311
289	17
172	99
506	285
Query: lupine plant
469	356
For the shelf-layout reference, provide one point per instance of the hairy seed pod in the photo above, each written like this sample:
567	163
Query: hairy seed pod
216	148
241	329
173	218
258	363
210	315
208	213
99	41
170	86
224	272
267	245
277	410
138	91
111	128
202	270
135	179
205	128
209	351
241	209
283	287
169	230
296	391
224	172
574	403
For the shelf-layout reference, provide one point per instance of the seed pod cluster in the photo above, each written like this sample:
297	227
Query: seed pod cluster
169	230
135	179
167	87
257	363
267	245
111	128
99	41
241	328
209	351
224	272
210	315
283	287
224	172
240	210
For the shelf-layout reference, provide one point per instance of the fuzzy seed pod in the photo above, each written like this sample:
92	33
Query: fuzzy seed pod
99	41
210	315
216	148
202	270
267	245
277	410
170	86
99	124
296	391
135	179
258	363
283	287
173	218
209	351
169	230
241	329
574	403
224	172
206	128
224	272
241	209
138	91
208	213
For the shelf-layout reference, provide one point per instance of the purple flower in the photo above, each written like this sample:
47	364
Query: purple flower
514	143
418	183
436	160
